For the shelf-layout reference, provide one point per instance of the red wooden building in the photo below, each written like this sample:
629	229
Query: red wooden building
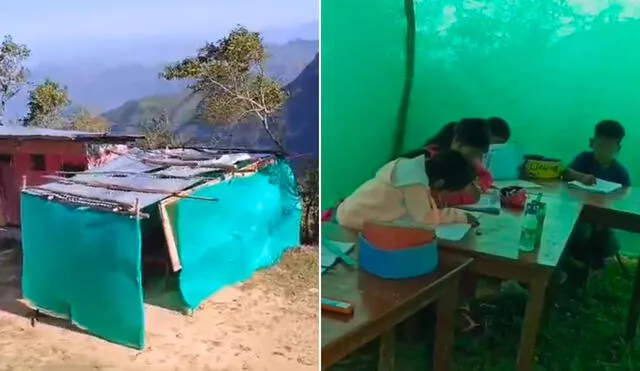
29	153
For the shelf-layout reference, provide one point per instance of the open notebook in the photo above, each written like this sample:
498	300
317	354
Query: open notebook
488	203
452	232
601	186
331	251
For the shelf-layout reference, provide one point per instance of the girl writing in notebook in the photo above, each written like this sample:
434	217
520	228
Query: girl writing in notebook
410	190
471	137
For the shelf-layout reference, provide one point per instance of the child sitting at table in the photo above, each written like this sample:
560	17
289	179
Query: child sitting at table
472	138
592	245
409	190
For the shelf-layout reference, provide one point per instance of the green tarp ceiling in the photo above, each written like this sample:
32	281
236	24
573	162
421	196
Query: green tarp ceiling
552	69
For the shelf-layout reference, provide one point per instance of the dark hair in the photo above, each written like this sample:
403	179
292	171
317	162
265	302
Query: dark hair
469	132
499	128
610	129
452	168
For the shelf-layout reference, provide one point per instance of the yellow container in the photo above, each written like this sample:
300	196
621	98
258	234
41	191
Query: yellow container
543	169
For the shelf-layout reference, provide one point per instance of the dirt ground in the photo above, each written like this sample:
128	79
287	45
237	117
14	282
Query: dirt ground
267	323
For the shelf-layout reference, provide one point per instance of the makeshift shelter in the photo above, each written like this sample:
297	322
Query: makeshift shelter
27	154
551	68
220	217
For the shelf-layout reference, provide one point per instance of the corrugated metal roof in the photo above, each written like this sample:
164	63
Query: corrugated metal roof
16	132
122	197
133	170
141	182
125	164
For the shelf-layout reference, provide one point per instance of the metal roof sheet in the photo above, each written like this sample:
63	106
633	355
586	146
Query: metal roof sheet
138	170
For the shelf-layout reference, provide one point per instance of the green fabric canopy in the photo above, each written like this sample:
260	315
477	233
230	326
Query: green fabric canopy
552	69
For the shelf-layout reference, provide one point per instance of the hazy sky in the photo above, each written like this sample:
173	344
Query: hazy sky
38	21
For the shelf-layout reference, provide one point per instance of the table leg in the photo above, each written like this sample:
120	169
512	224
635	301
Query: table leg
531	324
634	308
386	358
443	346
550	298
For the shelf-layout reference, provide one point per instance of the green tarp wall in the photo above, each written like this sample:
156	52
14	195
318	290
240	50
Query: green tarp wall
255	220
552	69
85	266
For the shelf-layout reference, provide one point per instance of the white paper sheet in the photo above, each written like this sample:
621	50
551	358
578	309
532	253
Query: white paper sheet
452	232
601	186
327	258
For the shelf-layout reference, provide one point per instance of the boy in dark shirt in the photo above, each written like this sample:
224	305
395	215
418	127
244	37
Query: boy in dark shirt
590	244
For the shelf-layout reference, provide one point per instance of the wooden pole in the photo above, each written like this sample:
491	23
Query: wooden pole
136	208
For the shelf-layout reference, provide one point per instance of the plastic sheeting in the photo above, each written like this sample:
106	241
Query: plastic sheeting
551	68
363	67
84	266
255	220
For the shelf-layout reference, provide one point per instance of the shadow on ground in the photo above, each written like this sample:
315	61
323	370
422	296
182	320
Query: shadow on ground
11	291
295	273
158	290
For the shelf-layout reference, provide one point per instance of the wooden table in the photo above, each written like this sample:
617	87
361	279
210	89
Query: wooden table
381	304
496	254
618	210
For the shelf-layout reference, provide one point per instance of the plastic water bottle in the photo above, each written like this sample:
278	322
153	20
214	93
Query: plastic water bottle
529	229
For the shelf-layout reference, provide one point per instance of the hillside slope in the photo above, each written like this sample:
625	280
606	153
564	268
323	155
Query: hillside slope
301	115
102	88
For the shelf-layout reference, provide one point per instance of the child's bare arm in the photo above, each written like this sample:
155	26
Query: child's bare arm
578	168
570	175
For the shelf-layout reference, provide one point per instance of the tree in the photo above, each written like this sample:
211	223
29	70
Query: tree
308	188
13	75
47	103
158	132
85	121
230	77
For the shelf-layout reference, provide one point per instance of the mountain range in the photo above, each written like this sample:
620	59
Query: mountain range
127	92
104	74
294	64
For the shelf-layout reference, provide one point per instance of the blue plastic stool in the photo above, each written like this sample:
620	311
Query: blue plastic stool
399	264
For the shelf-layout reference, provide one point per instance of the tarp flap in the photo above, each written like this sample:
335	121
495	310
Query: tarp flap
255	220
84	265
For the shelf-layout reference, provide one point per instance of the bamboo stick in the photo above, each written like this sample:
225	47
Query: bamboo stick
148	175
118	187
136	208
120	209
176	163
